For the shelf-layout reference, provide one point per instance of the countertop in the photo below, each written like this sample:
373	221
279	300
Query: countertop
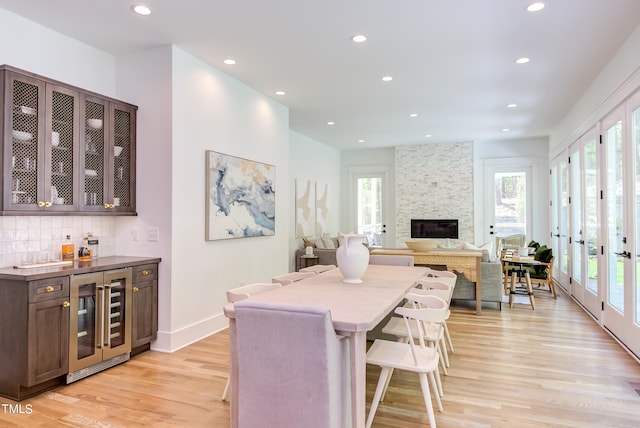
78	267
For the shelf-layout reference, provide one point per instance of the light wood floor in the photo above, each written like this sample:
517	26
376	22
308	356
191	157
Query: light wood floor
514	368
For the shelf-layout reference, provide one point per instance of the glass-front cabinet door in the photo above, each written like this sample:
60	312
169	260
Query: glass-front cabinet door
107	156
39	162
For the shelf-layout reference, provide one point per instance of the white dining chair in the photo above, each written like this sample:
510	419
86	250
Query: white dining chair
292	367
244	292
290	278
384	259
411	356
317	269
441	283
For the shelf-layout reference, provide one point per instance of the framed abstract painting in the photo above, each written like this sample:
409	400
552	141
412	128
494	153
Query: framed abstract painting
241	197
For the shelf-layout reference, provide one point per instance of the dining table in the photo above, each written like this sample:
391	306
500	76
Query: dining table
355	309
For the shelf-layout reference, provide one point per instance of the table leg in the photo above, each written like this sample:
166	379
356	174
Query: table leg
529	289
358	356
512	291
478	287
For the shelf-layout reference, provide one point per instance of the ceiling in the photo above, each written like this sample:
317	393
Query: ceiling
452	61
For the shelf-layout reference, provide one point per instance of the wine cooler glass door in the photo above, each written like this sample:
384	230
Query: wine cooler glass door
85	334
117	312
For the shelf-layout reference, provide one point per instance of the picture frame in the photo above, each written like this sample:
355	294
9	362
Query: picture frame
240	197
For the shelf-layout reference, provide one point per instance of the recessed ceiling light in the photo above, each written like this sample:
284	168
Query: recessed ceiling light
387	79
522	60
505	130
359	38
141	9
413	114
331	123
512	105
281	93
536	6
428	136
230	61
360	141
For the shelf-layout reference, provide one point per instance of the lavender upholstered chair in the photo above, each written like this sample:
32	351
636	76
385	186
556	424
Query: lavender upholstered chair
241	293
292	368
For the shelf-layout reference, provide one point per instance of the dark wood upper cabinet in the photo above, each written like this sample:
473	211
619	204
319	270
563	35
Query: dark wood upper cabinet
64	150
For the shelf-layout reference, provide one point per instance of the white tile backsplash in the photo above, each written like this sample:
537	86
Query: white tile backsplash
36	234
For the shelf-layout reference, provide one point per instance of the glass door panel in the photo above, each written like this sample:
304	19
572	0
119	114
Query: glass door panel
369	209
510	203
576	223
616	216
117	312
563	220
635	141
591	224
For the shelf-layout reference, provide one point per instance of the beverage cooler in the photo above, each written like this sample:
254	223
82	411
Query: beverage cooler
100	324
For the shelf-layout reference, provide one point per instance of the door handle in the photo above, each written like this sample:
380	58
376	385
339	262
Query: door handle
581	242
625	254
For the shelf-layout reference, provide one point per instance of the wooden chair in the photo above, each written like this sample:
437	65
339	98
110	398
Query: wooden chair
241	293
293	370
410	356
544	278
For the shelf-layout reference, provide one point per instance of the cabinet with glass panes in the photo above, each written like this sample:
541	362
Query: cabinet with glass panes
66	150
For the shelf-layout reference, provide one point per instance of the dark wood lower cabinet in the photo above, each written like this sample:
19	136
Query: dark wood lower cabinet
35	321
145	307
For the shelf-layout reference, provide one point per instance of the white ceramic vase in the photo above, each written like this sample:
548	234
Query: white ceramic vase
352	258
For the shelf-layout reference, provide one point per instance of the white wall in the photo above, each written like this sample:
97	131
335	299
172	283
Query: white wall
617	81
314	161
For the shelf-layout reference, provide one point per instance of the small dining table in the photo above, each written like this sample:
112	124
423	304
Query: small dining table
523	263
355	309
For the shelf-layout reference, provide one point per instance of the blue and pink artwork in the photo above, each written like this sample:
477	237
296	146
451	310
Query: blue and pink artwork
241	198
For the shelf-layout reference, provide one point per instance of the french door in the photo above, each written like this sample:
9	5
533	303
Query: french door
560	219
508	206
584	221
621	140
368	196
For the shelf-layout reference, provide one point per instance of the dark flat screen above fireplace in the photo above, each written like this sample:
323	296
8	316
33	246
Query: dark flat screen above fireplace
431	228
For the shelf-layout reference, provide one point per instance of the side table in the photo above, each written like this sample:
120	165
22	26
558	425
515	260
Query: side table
307	260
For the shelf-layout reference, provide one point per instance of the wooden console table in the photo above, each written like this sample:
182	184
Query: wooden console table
466	262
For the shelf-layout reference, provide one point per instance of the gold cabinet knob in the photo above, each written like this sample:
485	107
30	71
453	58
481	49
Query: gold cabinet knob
47	204
106	205
48	289
40	204
145	273
136	289
66	304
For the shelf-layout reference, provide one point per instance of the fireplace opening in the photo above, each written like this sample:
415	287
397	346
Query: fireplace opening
434	228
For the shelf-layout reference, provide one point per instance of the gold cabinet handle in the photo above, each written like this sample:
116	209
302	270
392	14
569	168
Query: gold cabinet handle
48	289
106	205
47	204
111	206
145	273
40	204
66	304
136	289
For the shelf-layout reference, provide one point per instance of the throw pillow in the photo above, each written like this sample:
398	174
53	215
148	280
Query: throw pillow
543	254
328	242
533	244
320	244
489	247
